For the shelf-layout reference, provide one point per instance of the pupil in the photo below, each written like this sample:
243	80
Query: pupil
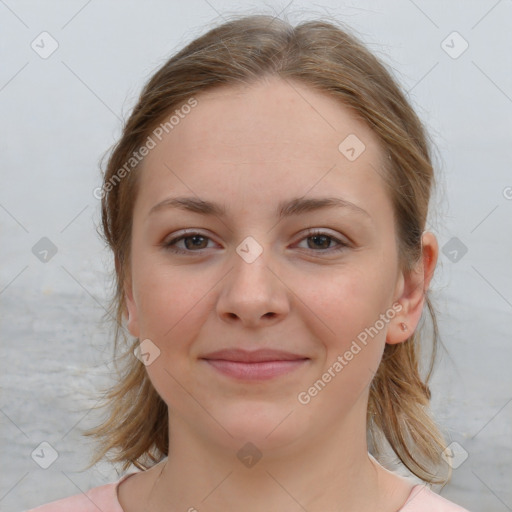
323	237
196	240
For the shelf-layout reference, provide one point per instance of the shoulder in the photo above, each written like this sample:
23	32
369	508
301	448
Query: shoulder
102	498
422	499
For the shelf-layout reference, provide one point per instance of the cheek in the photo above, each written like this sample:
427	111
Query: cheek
352	309
349	300
170	301
171	312
356	309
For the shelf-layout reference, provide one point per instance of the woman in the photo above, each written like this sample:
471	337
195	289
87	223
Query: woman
266	207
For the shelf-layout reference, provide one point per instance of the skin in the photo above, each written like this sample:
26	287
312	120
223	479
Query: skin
248	148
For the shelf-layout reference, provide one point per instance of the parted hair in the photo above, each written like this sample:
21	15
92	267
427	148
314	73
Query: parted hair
327	57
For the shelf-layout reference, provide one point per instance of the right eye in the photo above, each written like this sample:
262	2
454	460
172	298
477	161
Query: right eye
192	240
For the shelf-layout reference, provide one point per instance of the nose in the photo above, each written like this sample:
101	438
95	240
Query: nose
253	294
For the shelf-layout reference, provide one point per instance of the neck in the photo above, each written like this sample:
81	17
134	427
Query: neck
330	472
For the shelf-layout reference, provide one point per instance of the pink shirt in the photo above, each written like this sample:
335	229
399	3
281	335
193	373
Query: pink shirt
104	499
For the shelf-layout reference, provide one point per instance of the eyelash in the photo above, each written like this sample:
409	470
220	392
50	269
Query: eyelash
171	244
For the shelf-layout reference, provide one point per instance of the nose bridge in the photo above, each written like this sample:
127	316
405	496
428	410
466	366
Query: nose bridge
252	292
251	278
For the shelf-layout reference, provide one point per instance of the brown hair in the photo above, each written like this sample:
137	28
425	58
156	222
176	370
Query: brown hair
324	56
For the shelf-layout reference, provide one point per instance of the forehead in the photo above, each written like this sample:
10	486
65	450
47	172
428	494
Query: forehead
267	140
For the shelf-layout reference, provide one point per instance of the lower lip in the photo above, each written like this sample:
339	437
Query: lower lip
255	371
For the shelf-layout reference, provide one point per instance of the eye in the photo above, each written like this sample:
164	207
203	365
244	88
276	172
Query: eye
322	240
191	241
195	242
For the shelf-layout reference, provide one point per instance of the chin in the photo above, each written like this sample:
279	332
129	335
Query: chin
266	425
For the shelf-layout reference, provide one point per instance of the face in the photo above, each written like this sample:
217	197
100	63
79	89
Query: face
307	282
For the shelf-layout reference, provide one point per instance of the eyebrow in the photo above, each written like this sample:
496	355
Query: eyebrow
295	206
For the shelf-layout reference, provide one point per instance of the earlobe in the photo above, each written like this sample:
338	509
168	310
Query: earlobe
399	330
411	291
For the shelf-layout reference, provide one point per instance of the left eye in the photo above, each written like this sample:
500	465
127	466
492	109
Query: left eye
320	240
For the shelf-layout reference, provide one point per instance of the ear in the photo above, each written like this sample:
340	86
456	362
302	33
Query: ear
131	306
411	291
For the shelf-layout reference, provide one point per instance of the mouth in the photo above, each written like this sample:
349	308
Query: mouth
256	365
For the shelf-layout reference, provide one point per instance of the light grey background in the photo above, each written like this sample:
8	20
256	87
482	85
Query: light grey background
60	114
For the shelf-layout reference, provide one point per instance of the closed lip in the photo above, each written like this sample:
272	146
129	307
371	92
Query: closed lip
255	356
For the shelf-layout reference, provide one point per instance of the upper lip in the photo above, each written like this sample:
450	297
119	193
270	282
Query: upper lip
255	356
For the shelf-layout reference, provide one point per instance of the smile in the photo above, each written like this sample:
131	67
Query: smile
255	370
254	365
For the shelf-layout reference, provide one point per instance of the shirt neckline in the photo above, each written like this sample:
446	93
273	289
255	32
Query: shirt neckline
415	490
